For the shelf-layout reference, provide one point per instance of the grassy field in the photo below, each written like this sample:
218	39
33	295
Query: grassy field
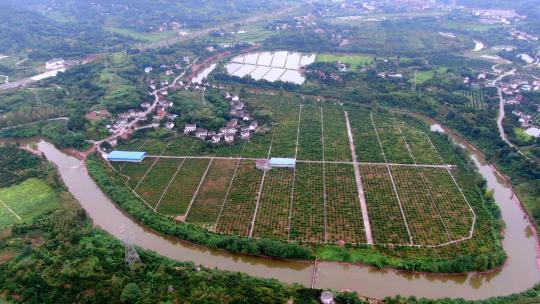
410	195
353	60
145	37
26	201
424	76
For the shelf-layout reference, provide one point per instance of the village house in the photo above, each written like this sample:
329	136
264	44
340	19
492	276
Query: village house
113	142
188	128
201	133
148	69
145	105
165	103
169	72
216	139
246	117
169	125
233	123
229	138
245	133
227	131
253	125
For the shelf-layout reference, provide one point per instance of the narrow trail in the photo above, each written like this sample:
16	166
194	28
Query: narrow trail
360	186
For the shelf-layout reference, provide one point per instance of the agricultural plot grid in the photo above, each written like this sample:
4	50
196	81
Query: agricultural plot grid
360	178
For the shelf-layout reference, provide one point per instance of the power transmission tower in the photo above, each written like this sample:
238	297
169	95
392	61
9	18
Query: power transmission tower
131	255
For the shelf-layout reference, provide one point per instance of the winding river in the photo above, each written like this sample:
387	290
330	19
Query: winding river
518	274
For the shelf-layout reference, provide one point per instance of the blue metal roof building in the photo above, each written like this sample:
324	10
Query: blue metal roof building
276	162
126	156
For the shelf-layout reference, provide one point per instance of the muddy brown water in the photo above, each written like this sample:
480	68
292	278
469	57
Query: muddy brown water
518	274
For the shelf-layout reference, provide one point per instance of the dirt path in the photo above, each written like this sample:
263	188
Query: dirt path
361	196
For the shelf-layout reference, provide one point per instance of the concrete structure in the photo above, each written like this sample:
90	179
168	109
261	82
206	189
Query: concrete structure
282	162
262	164
190	128
327	297
126	156
55	64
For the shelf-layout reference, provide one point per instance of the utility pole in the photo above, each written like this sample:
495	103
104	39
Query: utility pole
131	255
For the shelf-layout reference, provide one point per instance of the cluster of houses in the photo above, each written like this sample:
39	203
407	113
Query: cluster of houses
493	16
241	125
512	90
521	35
525	120
186	60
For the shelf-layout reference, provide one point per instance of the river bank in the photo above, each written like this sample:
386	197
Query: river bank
517	275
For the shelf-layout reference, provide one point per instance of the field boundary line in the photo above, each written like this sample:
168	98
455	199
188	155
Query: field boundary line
423	178
392	180
16	215
471	231
324	180
139	148
227	194
169	184
273	132
359	185
257	204
152	166
198	188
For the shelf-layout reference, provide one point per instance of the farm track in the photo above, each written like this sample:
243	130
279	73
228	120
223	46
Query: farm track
359	185
303	161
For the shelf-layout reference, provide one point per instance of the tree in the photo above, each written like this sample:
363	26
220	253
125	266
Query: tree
131	293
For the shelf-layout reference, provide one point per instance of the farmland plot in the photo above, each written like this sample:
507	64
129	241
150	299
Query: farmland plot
344	218
421	148
425	222
274	206
155	146
184	146
452	206
392	142
176	199
285	130
239	206
136	171
258	146
336	140
310	137
365	138
208	201
307	224
385	215
155	182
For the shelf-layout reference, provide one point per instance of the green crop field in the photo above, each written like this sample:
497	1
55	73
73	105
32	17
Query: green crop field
476	99
411	196
353	60
25	201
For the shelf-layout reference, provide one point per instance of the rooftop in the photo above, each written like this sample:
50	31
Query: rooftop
128	156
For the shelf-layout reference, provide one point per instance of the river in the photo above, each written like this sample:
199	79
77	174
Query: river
518	274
